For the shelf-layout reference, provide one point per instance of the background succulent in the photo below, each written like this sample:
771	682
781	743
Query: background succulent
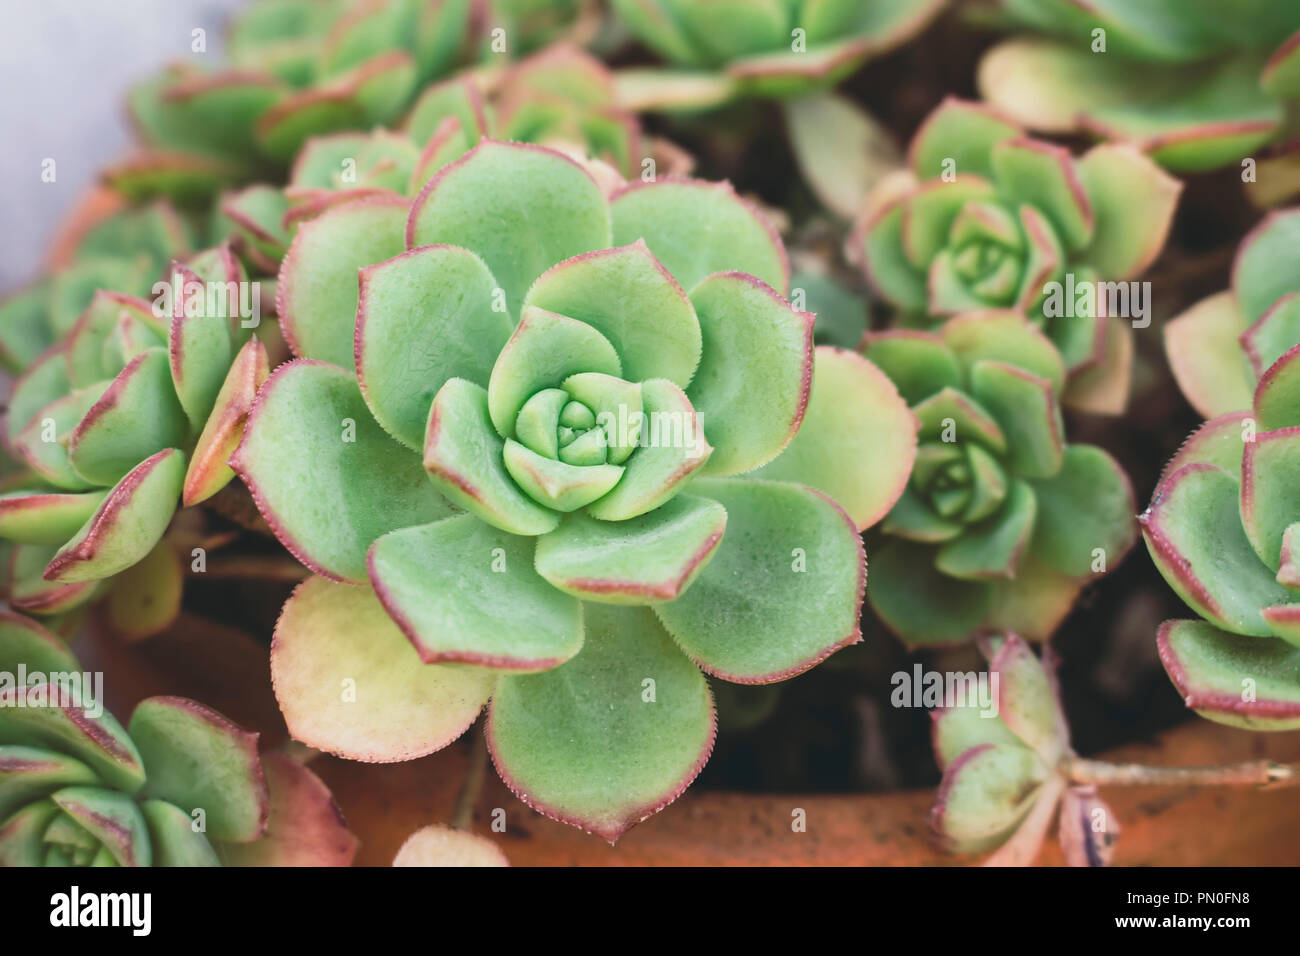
1003	779
1002	522
559	97
136	408
1222	528
986	218
759	47
1219	348
1197	84
179	786
303	68
508	326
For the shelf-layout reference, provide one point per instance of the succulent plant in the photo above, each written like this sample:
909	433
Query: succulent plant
559	97
1003	778
1197	84
1002	522
1219	348
303	68
1222	528
136	407
180	785
759	47
124	250
988	219
510	453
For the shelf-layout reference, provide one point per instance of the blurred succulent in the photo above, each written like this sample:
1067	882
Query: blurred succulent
124	250
1197	84
1002	522
1219	348
1006	771
512	444
989	219
727	48
1222	528
445	846
139	405
179	786
560	97
304	68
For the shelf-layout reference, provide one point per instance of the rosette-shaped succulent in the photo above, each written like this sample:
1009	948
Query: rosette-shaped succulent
137	407
990	219
1003	779
1197	85
728	48
125	250
1223	528
1219	348
512	453
560	97
1002	522
303	68
180	785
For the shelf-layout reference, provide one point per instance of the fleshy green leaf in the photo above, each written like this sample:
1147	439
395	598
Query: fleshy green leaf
919	603
424	317
1024	405
112	818
1084	508
325	476
522	208
1207	363
463	591
958	138
173	838
857	440
783	590
196	759
39	517
752	386
985	793
651	558
551	733
1133	201
668	214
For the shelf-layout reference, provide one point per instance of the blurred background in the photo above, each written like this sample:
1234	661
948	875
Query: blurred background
68	64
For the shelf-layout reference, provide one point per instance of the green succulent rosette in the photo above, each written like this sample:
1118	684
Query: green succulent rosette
1222	528
180	785
1197	84
132	412
304	68
1220	347
721	49
987	218
559	97
1002	779
1002	522
563	452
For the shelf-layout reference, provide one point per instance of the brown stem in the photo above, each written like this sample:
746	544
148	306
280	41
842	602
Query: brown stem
258	567
234	503
1263	773
472	785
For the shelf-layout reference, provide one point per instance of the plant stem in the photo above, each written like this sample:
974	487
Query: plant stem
260	567
1263	773
472	785
234	503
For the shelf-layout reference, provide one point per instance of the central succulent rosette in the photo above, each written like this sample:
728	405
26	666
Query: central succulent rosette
492	450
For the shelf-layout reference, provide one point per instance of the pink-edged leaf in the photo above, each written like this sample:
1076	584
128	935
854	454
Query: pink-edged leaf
127	524
43	517
114	819
349	682
462	591
857	440
304	826
1241	681
1202	347
327	478
985	794
208	470
782	592
1088	828
550	733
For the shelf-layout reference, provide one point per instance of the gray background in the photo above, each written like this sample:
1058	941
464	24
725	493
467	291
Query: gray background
64	68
